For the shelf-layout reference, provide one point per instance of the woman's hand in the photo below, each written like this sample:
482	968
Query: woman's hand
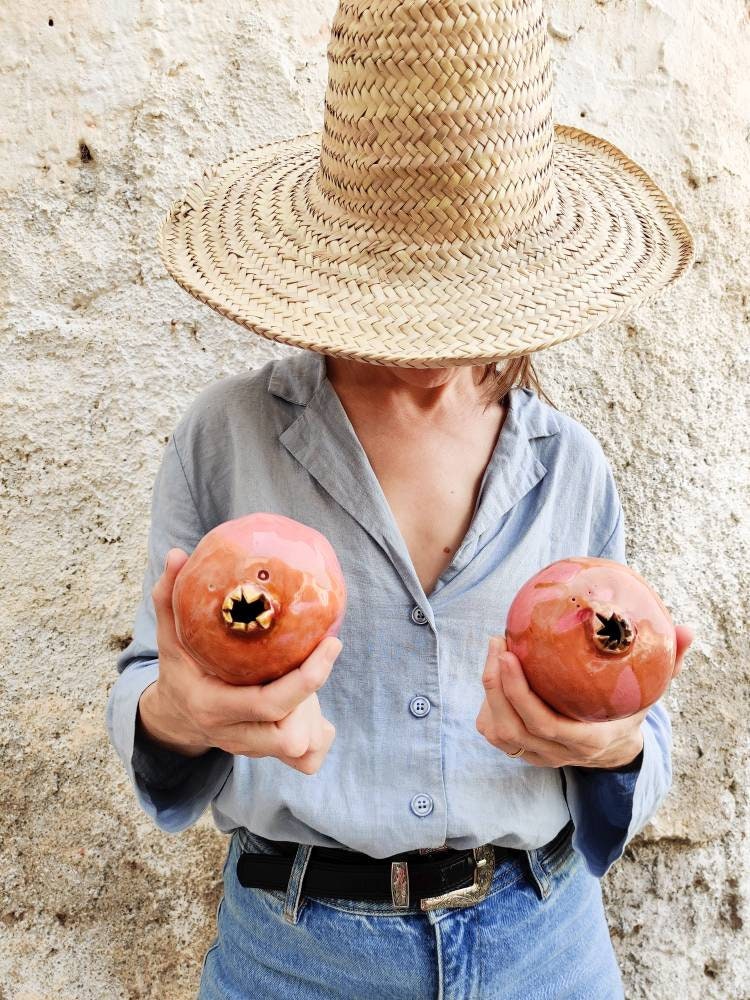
190	711
512	716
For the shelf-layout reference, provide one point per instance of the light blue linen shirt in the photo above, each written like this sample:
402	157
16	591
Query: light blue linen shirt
407	768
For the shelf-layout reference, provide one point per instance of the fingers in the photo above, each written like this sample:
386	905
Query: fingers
543	723
301	740
509	695
216	704
320	743
274	701
556	729
281	718
230	704
510	747
499	722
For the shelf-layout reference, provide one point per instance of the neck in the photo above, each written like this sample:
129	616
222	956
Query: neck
426	391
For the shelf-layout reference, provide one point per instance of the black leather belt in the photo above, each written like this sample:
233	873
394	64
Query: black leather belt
437	877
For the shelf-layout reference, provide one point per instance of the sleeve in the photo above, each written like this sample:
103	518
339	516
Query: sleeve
171	789
159	768
609	807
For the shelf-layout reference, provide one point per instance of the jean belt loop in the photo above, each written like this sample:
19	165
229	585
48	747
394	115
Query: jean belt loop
538	874
294	885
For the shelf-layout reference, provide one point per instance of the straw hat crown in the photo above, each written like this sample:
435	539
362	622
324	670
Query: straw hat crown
438	119
439	216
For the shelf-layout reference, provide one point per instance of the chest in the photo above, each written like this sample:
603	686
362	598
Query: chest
431	478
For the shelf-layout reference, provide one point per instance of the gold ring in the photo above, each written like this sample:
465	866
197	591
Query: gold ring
518	753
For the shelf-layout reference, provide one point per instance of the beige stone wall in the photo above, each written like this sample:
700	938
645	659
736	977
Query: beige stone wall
107	110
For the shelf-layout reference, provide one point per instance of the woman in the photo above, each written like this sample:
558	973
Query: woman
409	820
400	685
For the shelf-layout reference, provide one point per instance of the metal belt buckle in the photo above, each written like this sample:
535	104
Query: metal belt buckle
484	868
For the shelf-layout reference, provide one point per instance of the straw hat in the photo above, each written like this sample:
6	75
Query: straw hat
440	217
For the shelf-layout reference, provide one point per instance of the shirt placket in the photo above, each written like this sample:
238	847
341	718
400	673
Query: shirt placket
323	440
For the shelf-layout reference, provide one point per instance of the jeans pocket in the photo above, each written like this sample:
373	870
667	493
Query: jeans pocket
220	904
215	944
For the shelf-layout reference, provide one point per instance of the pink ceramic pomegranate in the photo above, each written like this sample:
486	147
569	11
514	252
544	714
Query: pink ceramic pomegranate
594	640
256	596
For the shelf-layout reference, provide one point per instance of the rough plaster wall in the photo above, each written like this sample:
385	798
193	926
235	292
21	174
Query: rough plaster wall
108	109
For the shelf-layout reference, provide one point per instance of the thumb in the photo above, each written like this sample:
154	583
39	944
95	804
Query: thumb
174	560
162	589
684	636
161	595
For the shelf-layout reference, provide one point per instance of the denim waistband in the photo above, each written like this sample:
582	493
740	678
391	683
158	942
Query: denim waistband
540	864
289	849
559	846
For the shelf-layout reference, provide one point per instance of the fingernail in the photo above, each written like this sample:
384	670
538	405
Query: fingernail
166	562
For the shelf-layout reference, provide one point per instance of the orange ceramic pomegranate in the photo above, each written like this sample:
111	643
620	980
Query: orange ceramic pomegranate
594	640
256	596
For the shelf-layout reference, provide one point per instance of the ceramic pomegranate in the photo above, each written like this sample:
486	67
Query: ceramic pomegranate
594	640
256	596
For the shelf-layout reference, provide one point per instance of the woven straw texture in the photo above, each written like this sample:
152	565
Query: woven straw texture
440	217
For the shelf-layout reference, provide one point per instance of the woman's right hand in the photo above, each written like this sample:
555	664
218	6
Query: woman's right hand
190	711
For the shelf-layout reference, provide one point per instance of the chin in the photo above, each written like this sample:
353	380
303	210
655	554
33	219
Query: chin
424	377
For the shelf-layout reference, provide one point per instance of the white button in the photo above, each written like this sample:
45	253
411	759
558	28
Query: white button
421	805
419	706
418	616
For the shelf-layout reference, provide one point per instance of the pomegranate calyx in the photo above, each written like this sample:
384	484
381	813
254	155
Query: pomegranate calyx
247	608
612	633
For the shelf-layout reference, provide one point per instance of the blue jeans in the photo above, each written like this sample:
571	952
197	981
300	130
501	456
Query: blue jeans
539	934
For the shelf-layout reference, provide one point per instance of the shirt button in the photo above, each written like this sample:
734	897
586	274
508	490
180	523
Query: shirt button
418	616
421	805
419	706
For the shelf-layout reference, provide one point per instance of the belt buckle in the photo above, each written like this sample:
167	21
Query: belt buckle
484	868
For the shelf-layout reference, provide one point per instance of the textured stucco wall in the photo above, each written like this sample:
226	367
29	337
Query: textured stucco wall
108	108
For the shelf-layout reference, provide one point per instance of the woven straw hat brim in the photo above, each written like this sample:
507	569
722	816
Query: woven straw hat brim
251	239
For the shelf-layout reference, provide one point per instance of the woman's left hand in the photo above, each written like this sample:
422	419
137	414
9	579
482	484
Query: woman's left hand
512	716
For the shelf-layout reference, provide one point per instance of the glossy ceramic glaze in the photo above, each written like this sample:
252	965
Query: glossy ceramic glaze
256	596
594	640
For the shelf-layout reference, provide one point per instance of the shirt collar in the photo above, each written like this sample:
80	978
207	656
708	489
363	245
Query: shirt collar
323	441
297	377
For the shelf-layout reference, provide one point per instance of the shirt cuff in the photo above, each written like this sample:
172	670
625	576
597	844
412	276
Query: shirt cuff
178	806
158	767
634	765
609	807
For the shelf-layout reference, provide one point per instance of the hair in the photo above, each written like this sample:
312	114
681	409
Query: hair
516	372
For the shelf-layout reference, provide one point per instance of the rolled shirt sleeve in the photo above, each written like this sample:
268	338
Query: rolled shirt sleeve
609	807
172	789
